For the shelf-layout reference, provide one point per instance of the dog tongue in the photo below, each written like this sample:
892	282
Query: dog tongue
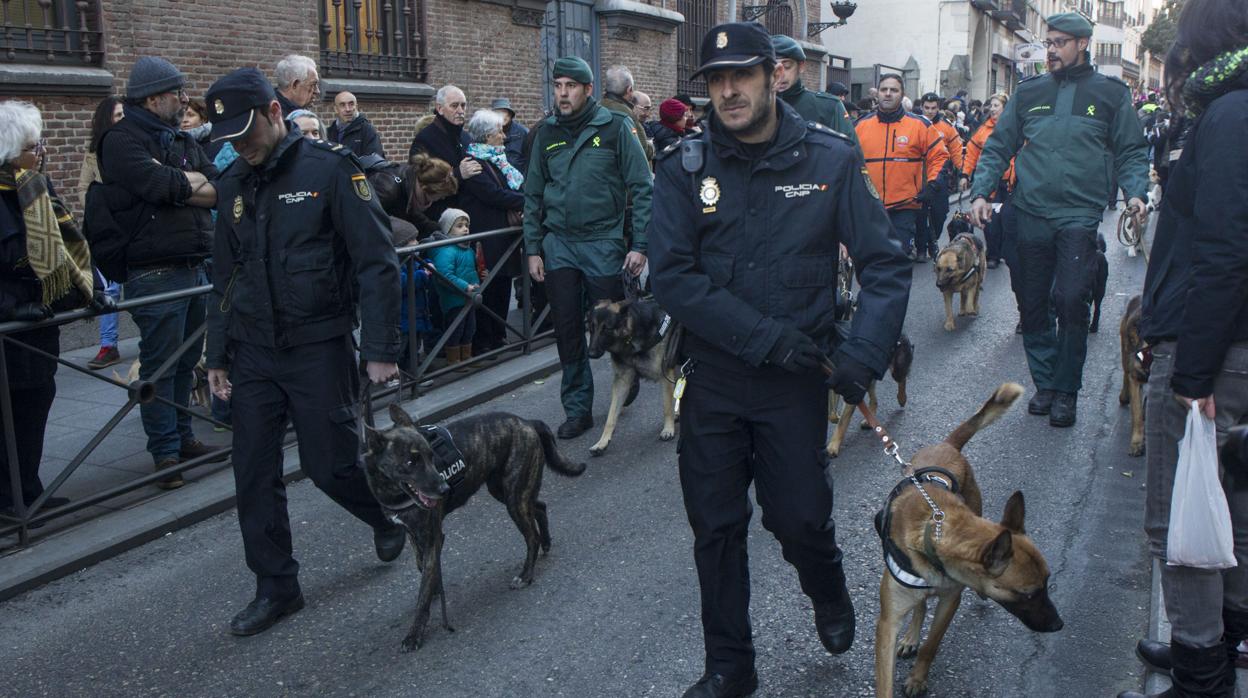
428	502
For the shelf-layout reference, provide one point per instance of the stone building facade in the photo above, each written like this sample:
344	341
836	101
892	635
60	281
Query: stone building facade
64	55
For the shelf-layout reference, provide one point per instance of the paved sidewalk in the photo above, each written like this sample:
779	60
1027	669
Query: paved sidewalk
84	404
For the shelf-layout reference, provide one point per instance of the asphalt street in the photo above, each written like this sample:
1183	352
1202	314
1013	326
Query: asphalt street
614	609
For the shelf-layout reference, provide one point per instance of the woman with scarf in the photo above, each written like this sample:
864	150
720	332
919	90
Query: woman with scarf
492	200
45	266
1194	316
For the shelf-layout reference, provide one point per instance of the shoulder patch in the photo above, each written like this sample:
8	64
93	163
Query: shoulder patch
360	184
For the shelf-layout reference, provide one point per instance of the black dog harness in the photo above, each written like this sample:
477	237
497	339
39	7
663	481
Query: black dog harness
895	559
448	460
975	245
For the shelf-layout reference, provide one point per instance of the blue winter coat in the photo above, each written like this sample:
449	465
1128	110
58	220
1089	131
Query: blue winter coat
459	266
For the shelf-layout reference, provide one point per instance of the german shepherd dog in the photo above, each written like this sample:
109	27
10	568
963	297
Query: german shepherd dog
960	268
632	332
996	560
1099	281
499	450
898	368
1136	359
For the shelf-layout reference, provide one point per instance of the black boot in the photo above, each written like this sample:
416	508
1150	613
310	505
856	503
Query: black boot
575	426
1155	655
263	612
1041	402
1062	413
834	620
1199	672
1234	631
720	686
388	542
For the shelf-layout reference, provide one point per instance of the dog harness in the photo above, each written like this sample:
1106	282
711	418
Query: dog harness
975	245
448	460
896	559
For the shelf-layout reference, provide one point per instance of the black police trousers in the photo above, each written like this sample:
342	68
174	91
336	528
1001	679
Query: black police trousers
316	386
767	426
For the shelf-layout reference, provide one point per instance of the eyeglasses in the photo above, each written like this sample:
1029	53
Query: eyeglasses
1059	43
38	148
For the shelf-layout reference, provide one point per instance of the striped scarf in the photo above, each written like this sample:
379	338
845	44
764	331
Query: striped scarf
56	251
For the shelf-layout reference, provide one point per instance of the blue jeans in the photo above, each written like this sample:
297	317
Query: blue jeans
162	328
108	323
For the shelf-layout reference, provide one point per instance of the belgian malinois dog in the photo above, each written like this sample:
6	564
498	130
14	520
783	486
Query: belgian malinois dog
417	488
940	544
840	414
1135	367
960	268
634	333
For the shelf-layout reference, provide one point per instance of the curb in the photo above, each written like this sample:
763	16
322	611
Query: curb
98	539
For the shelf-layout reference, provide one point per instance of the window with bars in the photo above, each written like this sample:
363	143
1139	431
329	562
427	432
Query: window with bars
51	32
699	18
374	39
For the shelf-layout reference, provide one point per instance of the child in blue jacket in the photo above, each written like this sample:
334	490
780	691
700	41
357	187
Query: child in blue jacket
458	264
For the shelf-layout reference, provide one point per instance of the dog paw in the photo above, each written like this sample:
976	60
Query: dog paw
833	452
520	582
597	449
1136	450
1123	398
949	326
412	642
973	313
906	649
667	435
915	687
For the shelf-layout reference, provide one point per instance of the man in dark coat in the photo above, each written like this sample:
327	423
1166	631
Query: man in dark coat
298	83
352	129
515	133
445	140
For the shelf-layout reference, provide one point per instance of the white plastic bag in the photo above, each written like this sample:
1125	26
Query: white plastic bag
1200	522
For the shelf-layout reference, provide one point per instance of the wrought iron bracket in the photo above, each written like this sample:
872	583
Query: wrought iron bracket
749	13
817	28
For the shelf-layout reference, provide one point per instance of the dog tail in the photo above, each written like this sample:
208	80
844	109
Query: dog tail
994	408
554	458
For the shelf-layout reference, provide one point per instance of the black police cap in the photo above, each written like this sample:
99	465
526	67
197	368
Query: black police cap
735	45
233	99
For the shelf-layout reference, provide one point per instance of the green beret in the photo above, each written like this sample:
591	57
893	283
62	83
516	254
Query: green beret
787	47
1071	23
575	68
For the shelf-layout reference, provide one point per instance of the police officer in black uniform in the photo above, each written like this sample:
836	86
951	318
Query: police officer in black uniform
298	232
748	220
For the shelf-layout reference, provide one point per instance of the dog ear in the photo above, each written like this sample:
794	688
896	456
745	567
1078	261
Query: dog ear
1014	513
996	555
375	441
400	417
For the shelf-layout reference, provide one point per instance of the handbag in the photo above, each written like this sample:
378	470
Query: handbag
1200	521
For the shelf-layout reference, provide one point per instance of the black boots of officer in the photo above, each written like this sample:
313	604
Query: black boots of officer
720	686
834	620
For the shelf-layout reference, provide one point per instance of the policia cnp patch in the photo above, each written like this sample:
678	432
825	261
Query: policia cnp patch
866	177
361	187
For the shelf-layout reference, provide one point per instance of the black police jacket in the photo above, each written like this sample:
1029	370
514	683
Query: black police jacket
296	237
749	244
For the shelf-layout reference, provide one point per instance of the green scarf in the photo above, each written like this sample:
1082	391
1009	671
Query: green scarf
576	121
1214	79
55	249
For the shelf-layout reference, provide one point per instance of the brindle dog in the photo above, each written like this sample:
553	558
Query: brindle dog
501	451
632	332
1135	367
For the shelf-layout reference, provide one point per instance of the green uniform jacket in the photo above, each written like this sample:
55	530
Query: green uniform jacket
578	184
620	107
822	108
1070	137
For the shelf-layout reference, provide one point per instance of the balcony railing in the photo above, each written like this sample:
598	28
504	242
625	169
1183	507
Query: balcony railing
51	32
377	39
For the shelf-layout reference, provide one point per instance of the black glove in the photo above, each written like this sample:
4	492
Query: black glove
30	312
795	352
930	193
850	379
103	303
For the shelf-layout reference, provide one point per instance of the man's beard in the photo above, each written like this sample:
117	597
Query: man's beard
757	118
175	119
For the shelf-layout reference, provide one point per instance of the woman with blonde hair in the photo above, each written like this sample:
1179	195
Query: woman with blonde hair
994	234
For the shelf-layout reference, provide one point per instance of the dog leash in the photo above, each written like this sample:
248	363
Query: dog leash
891	448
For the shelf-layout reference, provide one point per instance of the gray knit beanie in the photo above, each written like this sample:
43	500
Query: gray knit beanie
151	76
449	217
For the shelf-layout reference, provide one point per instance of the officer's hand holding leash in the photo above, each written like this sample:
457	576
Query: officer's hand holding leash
850	379
981	212
795	352
1138	210
634	263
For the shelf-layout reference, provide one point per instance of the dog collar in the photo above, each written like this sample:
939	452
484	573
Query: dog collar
895	559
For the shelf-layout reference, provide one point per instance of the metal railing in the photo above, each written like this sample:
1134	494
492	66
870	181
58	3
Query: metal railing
51	32
417	372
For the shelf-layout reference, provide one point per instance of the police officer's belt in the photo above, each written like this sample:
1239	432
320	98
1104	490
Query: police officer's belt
895	558
448	460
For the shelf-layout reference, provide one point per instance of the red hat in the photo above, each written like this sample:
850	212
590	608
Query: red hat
671	111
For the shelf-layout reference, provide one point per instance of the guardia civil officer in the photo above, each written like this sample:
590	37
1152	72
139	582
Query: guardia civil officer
298	231
1081	131
812	105
744	244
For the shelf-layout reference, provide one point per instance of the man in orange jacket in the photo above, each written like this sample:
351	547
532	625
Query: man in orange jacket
904	156
935	211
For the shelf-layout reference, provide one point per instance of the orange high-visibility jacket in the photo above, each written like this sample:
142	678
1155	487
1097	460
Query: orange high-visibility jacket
976	146
953	142
903	153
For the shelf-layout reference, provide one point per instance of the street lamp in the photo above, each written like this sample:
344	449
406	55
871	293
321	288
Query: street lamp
843	9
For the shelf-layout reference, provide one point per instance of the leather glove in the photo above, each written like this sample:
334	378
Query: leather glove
30	312
795	352
850	380
930	193
102	303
